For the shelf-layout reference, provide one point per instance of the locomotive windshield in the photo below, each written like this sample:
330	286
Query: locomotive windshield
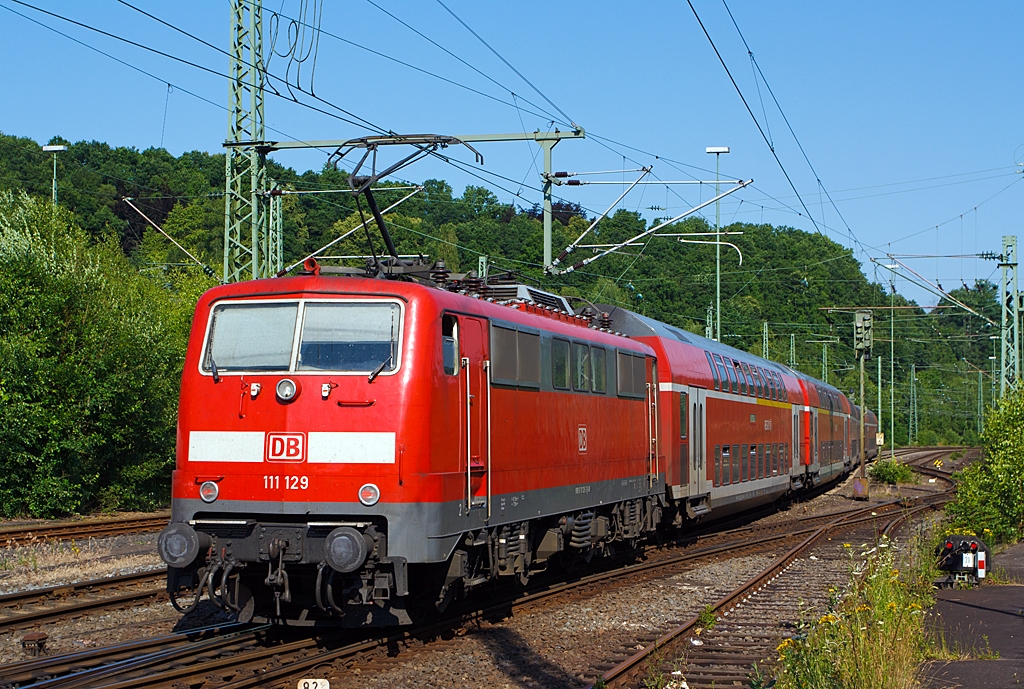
348	337
252	337
336	336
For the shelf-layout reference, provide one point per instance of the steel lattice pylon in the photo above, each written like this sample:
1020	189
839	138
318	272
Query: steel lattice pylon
252	245
1010	330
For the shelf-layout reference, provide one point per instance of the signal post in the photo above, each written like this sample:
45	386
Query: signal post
862	337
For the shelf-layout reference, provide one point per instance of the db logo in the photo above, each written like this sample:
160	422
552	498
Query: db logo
581	437
286	447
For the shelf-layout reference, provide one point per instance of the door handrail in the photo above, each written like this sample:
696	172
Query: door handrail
464	363
487	368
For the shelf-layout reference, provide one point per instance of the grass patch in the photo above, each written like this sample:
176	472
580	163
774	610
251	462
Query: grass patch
890	471
872	636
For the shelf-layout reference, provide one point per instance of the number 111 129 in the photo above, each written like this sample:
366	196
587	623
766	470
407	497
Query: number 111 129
289	482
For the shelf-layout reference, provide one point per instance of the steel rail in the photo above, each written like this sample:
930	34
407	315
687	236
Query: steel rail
83	529
629	671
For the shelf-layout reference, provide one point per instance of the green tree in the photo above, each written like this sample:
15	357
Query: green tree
90	360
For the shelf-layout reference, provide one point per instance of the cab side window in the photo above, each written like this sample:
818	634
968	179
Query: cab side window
450	344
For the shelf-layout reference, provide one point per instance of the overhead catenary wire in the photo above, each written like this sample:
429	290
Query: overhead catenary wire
467	64
788	125
508	64
752	116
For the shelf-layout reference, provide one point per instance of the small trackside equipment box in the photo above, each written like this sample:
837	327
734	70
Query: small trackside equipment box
964	559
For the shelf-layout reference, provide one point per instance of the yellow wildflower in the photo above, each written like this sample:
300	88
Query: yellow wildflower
891	606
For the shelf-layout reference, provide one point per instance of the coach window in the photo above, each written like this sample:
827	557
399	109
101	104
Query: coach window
721	373
735	463
725	465
746	461
739	375
684	416
714	371
731	372
771	385
580	367
560	364
599	358
751	390
450	344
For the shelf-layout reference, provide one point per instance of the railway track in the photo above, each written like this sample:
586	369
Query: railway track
34	607
263	657
754	617
83	529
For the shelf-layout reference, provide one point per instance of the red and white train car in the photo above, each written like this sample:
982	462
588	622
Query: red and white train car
351	450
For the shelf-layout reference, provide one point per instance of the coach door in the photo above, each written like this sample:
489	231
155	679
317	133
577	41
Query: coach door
476	399
699	484
796	444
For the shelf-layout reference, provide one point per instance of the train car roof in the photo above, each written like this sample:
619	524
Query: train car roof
636	325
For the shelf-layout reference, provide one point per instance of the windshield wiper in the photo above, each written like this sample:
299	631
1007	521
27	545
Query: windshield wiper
377	371
213	368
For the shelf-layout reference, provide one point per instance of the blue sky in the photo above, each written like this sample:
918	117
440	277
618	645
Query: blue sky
909	112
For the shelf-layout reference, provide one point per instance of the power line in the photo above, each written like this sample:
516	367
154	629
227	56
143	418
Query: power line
508	64
752	116
786	120
363	123
450	53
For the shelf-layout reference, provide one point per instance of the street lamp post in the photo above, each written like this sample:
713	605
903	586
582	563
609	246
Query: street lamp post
54	150
718	151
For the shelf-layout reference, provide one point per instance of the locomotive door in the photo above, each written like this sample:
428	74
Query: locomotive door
476	399
698	483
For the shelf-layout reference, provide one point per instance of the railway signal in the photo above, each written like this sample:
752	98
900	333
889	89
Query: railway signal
862	339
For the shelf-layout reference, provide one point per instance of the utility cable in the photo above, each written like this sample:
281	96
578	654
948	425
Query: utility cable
508	64
752	116
786	120
363	123
467	64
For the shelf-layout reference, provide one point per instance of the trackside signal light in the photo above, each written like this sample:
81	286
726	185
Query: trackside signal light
974	546
369	494
949	545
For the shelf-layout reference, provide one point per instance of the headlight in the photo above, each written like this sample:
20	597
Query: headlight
287	389
369	494
178	544
209	491
345	549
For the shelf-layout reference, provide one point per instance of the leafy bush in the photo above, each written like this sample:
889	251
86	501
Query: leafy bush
990	492
90	363
890	471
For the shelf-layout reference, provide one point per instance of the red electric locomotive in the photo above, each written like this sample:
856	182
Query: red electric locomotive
351	450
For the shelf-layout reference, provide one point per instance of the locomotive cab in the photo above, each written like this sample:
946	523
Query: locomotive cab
287	443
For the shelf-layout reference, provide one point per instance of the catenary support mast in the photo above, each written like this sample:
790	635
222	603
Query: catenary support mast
251	247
